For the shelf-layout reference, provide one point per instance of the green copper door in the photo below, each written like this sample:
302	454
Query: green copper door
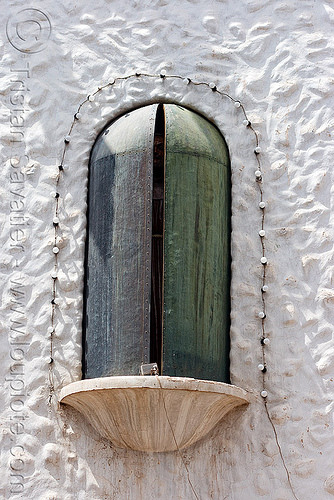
196	248
158	247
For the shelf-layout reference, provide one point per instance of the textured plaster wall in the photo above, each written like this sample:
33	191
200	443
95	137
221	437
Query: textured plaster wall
275	57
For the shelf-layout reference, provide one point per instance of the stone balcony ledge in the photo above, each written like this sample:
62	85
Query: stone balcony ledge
153	413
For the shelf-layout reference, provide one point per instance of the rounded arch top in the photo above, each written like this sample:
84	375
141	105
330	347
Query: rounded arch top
127	133
187	124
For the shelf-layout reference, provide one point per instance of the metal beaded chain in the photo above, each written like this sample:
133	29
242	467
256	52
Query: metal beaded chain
264	341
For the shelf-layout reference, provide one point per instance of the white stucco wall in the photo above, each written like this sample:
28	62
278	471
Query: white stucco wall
273	56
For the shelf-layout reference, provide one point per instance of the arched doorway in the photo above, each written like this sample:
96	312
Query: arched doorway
158	247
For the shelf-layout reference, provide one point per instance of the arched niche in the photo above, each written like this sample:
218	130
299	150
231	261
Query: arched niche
158	247
157	282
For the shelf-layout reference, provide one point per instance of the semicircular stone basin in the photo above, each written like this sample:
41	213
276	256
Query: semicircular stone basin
153	413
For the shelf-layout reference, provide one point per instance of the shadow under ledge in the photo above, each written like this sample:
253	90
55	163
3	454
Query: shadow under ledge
153	413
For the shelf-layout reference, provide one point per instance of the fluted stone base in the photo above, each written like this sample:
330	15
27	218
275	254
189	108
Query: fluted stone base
151	413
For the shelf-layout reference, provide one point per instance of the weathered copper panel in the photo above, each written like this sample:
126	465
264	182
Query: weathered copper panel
196	248
118	263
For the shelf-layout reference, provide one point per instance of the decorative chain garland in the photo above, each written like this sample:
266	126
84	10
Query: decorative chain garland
264	340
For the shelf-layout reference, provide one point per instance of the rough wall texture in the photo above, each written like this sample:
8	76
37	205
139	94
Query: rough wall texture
273	56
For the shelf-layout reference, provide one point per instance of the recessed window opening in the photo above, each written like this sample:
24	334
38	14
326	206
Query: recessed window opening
157	239
158	247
